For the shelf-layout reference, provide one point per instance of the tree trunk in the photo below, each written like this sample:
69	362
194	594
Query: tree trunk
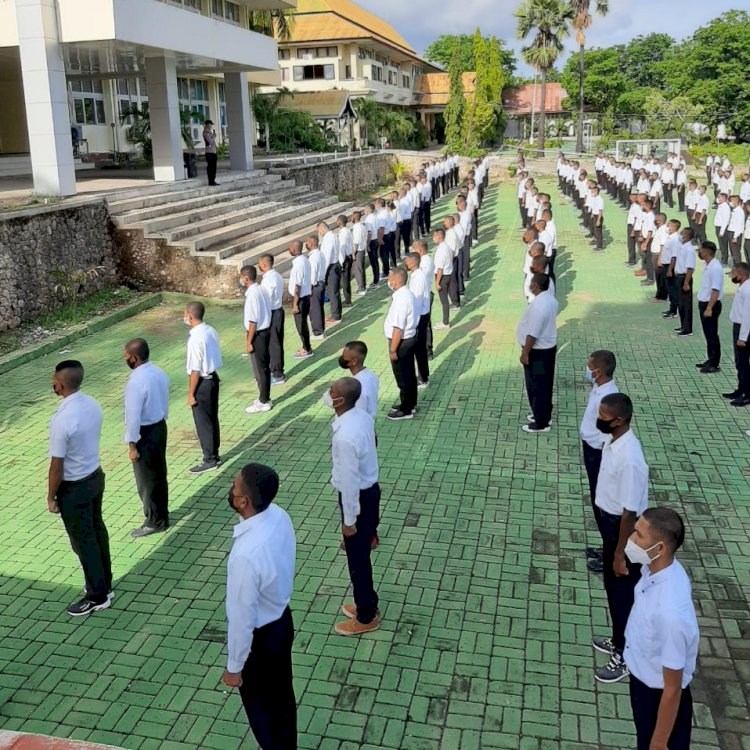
267	130
579	129
542	112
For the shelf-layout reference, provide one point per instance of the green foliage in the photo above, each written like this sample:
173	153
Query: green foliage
222	150
371	116
738	154
669	117
641	57
454	111
265	111
291	131
71	284
442	50
139	130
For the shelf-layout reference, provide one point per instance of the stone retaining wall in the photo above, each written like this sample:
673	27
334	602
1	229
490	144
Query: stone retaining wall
34	243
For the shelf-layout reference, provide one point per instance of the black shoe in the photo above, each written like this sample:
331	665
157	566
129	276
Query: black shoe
595	565
594	552
679	330
709	370
205	466
146	531
699	365
732	395
614	671
741	401
87	606
397	415
604	645
685	333
668	315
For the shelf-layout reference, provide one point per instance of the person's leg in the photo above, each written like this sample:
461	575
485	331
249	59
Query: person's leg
644	703
429	328
372	253
317	318
304	323
467	259
205	419
359	271
100	529
443	295
689	308
529	384
428	217
714	354
743	370
406	355
458	273
151	476
747	250
346	279
649	261
453	287
262	357
333	290
546	380
211	162
735	246
393	250
399	378
551	260
423	365
592	461
276	343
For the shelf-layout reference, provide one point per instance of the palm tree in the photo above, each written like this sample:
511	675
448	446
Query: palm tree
276	23
265	107
370	114
549	19
582	20
139	132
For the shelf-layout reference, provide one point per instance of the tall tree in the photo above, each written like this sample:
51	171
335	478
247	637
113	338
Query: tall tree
582	20
442	49
454	111
276	23
548	19
265	107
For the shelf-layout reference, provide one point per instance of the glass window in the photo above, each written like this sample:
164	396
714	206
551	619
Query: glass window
78	106
328	72
348	72
231	11
333	52
299	73
285	74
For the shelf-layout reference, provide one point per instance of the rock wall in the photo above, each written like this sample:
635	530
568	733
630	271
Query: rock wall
48	253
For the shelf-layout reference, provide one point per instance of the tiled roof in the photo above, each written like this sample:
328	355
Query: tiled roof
435	87
328	104
518	102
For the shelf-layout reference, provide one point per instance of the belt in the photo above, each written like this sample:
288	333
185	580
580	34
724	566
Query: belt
210	376
96	471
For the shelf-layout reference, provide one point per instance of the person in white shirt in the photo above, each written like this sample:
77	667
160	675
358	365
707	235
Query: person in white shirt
329	249
525	183
425	211
721	224
710	296
376	234
691	201
257	321
359	250
747	231
146	411
76	484
272	285
600	370
633	213
355	477
668	252
428	267
444	268
662	636
468	224
683	269
404	207
345	258
661	232
647	229
537	337
318	271
700	214
680	179
596	207
735	230
667	181
352	358
260	629
300	290
621	496
744	191
419	286
400	329
203	362
451	239
740	317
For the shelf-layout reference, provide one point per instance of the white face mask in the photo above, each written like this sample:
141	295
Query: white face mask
327	399
639	556
186	321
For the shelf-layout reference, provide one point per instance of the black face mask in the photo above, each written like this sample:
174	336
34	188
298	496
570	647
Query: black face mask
343	364
605	426
230	498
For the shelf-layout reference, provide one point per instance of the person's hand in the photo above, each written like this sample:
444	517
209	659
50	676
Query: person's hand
348	530
192	401
393	356
670	274
52	505
250	349
707	313
619	565
524	359
295	310
133	454
657	745
741	344
686	288
232	679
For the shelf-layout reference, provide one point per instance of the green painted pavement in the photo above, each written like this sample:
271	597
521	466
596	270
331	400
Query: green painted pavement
488	609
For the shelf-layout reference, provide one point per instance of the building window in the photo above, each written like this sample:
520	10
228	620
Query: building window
88	101
130	93
392	78
226	10
314	73
194	5
285	74
193	95
376	73
285	54
348	72
405	82
313	53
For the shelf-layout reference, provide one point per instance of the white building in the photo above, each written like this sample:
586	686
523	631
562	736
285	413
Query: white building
70	65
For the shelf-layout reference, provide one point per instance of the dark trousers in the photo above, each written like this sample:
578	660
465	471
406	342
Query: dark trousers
445	283
475	225
669	195
359	271
425	217
300	322
372	254
735	246
420	353
415	229
211	160
333	289
661	282
276	344
598	231
206	417
358	553
741	362
80	504
672	294
267	690
540	379
747	251
648	260
681	198
700	231
390	242
346	279
317	312
644	702
151	474
722	241
592	461
685	303
465	254
405	374
522	211
551	266
429	327
711	332
458	271
455	297
620	589
384	252
261	359
405	236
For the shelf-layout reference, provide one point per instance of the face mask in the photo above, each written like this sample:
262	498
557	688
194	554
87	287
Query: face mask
186	321
328	400
241	283
230	499
605	426
130	363
639	556
343	364
589	375
735	280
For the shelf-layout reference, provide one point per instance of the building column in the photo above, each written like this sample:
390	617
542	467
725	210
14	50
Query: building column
240	125
164	110
45	92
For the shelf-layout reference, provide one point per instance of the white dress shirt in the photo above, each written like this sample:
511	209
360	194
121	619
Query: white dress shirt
451	239
359	237
669	248
701	205
623	477
203	351
685	258
318	267
272	286
662	630
444	259
372	225
589	433
74	434
428	267
354	458
300	276
401	314
260	577
737	222
419	286
721	219
329	248
660	237
146	399
712	279
539	320
368	399
256	308
346	244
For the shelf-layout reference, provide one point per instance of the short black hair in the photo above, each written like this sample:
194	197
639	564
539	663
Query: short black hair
359	348
138	348
605	360
710	246
73	372
261	484
690	232
743	267
667	525
619	405
250	271
196	309
541	280
268	258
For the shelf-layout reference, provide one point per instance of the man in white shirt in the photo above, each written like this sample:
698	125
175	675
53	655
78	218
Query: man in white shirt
272	285
662	636
428	267
600	370
352	358
721	224
425	212
691	201
537	337
444	268
667	181
346	258
647	228
360	246
633	213
596	207
740	317
203	362
400	329
524	183
260	579
736	229
661	232
376	234
329	249
76	484
621	496
300	290
451	240
668	252
700	214
146	410
710	296
257	321
683	269
419	286
355	476
747	231
681	184
318	272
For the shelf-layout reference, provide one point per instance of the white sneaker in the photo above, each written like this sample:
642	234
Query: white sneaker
747	432
530	418
422	386
361	294
442	327
317	337
258	408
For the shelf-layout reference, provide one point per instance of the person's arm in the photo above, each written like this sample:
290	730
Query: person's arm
711	302
133	410
688	279
526	349
381	235
744	327
627	524
243	585
396	337
54	480
438	277
193	379
252	326
669	705
295	299
347	483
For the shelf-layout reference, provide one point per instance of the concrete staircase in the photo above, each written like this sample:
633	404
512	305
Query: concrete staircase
229	225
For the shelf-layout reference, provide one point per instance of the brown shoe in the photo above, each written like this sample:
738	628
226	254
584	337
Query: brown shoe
355	627
350	610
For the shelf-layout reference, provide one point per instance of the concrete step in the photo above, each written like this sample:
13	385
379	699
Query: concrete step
297	214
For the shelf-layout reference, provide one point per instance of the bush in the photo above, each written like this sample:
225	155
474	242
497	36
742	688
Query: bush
737	153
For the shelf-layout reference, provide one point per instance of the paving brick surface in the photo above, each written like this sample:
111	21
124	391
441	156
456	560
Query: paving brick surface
488	609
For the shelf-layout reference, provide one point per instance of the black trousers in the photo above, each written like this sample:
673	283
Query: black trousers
598	232
681	198
620	590
445	283
406	374
669	195
747	251
672	293
300	322
551	266
372	254
722	242
685	303
700	230
592	461
711	332
735	246
267	690
317	312
261	359
661	282
211	161
358	553
644	702
333	289
540	380
741	362
458	272
151	474
359	271
465	253
390	240
276	344
648	259
385	254
429	327
346	279
206	417
425	217
420	353
453	286
80	504
405	236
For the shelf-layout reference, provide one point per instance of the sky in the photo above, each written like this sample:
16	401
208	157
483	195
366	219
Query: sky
421	21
